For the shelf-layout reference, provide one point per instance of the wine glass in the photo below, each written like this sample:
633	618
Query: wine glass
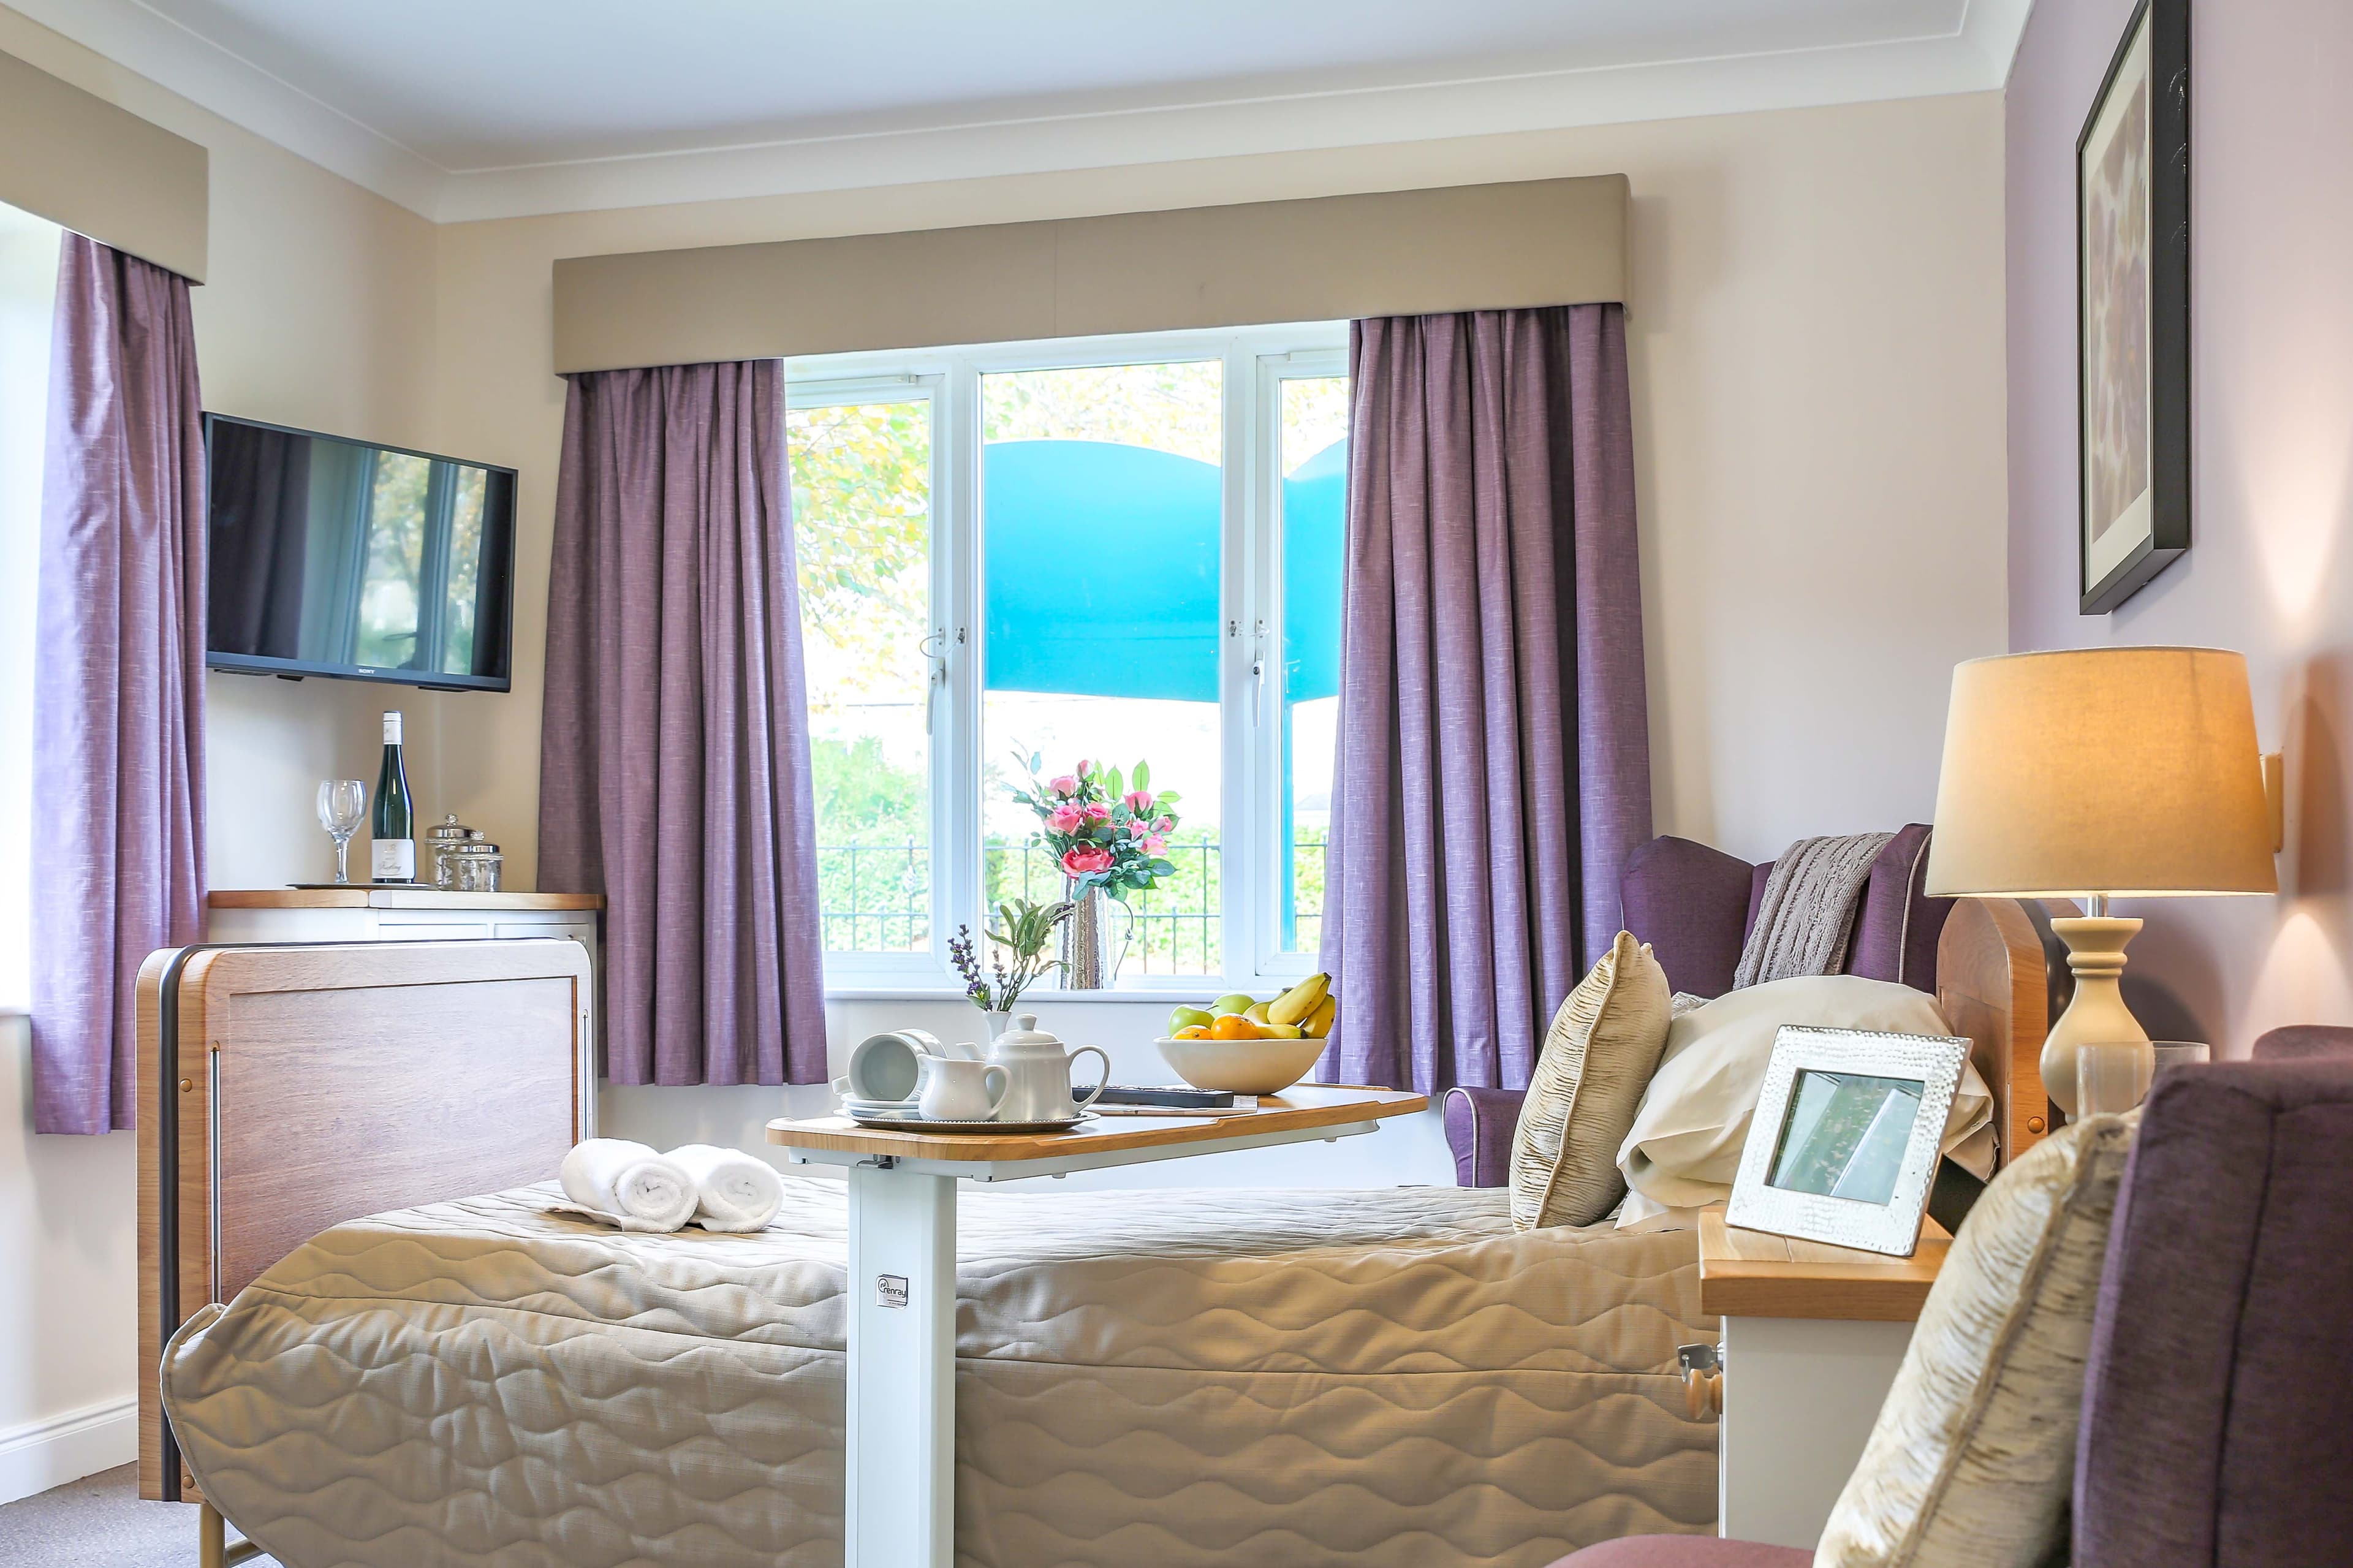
341	801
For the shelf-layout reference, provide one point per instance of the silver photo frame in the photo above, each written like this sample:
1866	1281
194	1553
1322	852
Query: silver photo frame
1848	1130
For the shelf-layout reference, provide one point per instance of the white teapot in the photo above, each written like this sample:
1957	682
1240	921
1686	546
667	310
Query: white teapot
1038	1073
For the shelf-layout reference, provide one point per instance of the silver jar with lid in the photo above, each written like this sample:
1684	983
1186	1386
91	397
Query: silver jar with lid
440	839
475	865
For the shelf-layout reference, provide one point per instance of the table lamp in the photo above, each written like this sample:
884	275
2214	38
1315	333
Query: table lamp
2099	774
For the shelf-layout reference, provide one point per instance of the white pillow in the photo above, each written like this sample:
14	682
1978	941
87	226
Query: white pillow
1684	1148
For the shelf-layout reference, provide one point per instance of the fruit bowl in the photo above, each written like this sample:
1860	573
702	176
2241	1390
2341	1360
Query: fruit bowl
1241	1066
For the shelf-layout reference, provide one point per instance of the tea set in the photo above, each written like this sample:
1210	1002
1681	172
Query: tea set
905	1079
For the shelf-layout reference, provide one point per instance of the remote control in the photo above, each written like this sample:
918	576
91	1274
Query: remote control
1164	1094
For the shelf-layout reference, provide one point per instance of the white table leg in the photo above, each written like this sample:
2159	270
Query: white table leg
1800	1396
900	1466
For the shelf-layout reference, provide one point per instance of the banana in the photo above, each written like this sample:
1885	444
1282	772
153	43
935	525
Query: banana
1319	1022
1295	1004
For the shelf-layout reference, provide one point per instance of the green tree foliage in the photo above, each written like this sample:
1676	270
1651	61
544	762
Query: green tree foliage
861	535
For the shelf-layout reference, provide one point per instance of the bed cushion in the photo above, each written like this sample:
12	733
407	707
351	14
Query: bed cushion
1683	1148
1228	1378
1597	1058
1973	1458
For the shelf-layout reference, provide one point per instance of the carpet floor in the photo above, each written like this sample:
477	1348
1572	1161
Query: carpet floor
99	1521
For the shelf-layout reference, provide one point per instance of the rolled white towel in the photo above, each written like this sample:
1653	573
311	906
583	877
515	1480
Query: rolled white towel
627	1184
733	1190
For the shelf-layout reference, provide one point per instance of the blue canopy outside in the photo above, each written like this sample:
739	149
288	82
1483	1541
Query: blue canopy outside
1103	571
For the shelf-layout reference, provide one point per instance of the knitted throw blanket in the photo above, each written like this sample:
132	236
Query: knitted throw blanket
1807	912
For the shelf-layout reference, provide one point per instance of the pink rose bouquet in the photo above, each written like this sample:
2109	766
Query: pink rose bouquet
1106	829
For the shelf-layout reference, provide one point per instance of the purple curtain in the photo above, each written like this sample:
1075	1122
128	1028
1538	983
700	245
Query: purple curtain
117	856
1494	764
674	770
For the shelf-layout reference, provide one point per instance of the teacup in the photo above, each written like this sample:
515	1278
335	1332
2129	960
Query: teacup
884	1068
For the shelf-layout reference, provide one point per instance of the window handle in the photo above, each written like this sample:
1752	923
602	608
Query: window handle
1257	671
935	678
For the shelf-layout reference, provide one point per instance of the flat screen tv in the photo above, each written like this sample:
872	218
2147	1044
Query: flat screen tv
342	558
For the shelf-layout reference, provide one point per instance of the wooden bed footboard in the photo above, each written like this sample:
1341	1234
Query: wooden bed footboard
1992	985
286	1090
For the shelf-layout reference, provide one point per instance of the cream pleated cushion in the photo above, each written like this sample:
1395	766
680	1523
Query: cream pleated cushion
1973	1459
1597	1058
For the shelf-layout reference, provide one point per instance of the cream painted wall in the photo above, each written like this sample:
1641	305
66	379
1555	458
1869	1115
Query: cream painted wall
319	313
2269	572
1817	360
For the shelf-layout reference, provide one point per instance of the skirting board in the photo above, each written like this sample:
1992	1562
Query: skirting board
37	1455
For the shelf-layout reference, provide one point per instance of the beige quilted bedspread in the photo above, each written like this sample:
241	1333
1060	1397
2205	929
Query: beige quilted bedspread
1389	1379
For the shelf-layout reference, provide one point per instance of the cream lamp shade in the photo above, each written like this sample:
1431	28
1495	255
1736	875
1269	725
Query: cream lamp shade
2095	774
2129	772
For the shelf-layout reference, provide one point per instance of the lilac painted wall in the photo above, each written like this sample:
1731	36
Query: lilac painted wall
2270	571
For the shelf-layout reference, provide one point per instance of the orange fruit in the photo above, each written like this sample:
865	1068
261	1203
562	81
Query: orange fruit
1232	1026
1191	1032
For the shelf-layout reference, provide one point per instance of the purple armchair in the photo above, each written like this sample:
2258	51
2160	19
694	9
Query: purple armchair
2212	1427
1694	905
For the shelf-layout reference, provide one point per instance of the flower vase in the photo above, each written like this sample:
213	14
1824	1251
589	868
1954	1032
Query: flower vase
999	1020
1094	943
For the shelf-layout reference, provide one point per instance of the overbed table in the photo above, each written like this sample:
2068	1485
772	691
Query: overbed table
900	1464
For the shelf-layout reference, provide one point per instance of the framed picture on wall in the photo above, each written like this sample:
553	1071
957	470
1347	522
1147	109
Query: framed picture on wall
2132	239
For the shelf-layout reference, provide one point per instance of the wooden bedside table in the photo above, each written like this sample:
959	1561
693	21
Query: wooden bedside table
1812	1336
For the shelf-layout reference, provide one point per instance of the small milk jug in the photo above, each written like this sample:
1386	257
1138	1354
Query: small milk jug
1038	1069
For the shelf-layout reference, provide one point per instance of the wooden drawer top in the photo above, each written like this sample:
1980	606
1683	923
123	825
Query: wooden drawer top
360	895
1751	1274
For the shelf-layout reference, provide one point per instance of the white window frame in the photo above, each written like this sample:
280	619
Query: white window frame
1255	361
1265	740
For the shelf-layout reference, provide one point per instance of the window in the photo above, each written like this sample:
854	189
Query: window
862	532
28	276
1122	550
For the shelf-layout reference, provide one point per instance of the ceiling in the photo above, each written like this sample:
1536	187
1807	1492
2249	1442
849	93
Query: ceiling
464	108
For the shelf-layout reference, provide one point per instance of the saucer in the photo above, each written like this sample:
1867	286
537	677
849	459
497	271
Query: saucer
879	1108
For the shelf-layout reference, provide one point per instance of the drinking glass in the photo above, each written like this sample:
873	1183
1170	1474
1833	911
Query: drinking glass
2172	1054
341	803
2110	1079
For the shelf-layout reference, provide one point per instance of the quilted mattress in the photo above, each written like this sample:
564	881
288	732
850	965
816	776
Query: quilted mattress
1154	1379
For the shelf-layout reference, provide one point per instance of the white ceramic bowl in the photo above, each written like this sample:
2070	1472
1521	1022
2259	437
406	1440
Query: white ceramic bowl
1242	1067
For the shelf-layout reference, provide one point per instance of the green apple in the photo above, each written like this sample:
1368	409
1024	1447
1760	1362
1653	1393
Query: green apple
1188	1018
1237	1002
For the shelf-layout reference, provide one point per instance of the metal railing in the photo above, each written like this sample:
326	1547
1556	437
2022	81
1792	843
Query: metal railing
876	897
1178	929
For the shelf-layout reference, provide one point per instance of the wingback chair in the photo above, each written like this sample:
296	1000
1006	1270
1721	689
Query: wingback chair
2213	1427
1695	906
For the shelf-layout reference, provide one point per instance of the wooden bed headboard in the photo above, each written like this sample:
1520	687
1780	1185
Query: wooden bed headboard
286	1090
1992	985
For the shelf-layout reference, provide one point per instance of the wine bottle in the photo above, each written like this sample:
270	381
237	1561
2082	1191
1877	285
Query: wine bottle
394	853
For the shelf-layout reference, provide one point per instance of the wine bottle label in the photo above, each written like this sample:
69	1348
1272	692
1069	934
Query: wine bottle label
392	728
395	860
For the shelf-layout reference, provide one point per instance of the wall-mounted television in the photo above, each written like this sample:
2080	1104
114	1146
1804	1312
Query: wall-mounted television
343	558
